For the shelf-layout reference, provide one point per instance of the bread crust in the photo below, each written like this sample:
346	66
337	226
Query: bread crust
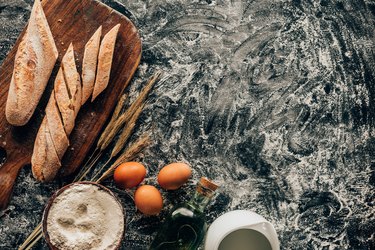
64	103
59	138
45	162
39	154
105	57
89	64
52	164
72	79
34	61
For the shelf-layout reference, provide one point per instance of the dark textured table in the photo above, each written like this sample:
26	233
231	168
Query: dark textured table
274	100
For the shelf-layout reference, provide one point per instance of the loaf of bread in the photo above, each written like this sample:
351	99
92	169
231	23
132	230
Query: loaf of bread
63	106
33	64
105	57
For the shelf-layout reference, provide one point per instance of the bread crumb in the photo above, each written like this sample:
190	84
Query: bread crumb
59	20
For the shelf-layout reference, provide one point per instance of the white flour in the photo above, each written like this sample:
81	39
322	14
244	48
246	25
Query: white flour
85	217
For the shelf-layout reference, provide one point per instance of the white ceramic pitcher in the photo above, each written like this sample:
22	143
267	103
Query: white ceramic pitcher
240	219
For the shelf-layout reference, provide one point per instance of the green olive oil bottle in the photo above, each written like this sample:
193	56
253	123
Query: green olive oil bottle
185	227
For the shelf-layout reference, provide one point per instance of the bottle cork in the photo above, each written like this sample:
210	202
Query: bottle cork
206	187
205	182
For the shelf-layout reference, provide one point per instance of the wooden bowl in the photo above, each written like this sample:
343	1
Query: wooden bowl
59	192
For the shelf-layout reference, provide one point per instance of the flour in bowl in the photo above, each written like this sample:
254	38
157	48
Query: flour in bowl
85	216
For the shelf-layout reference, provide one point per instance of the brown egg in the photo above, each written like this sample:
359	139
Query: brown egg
148	200
174	175
129	174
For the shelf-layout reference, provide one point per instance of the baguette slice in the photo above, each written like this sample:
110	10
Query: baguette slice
90	61
34	62
64	103
105	61
40	152
45	162
52	163
72	79
59	138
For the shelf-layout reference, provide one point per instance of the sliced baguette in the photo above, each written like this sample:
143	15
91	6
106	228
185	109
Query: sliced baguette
72	79
34	62
64	103
39	153
59	138
45	162
62	108
52	163
90	61
105	57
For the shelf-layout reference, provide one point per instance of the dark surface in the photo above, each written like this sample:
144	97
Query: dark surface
274	100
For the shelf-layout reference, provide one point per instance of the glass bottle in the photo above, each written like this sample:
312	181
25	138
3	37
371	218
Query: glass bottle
185	226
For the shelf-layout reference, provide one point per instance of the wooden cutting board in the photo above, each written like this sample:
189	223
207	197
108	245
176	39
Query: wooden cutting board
70	21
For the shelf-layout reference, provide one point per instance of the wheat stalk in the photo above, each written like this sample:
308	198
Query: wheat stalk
130	111
113	120
37	231
126	132
37	238
97	153
117	122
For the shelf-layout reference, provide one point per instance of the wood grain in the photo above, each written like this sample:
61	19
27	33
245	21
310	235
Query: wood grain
70	21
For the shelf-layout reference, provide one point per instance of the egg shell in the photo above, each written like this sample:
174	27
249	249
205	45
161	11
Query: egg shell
174	175
129	174
148	200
